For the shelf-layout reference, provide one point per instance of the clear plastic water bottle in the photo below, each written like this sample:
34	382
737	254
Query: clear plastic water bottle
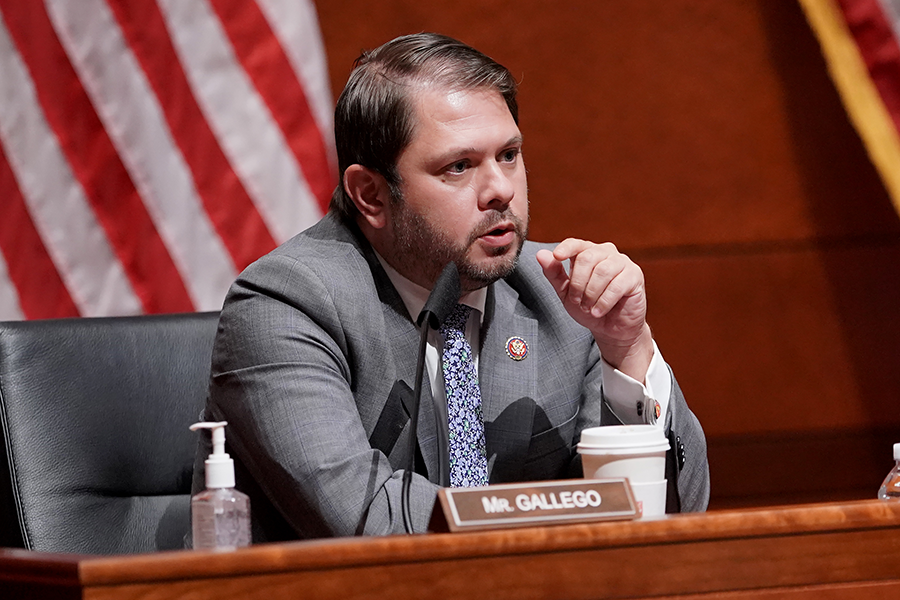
890	489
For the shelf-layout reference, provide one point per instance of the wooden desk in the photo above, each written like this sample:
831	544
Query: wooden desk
821	551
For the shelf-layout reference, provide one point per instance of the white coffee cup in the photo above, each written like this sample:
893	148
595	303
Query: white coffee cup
650	497
636	452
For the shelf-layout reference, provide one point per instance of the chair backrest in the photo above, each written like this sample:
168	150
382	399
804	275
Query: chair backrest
94	417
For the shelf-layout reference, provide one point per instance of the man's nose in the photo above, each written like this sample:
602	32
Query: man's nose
497	189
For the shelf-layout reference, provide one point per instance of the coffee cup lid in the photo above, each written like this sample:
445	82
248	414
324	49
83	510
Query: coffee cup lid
622	436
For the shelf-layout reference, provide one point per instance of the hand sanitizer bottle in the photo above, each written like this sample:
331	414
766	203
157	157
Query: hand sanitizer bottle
890	489
220	516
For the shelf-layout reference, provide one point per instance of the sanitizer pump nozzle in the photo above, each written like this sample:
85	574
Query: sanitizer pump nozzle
219	466
220	515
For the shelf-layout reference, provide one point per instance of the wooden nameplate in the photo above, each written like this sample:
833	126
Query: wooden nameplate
533	504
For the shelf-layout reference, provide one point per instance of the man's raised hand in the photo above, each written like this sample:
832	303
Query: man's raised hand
604	292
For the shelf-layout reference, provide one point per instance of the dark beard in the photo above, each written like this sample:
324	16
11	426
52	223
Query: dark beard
421	249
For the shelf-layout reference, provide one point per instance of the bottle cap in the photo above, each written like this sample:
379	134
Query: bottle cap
896	451
219	466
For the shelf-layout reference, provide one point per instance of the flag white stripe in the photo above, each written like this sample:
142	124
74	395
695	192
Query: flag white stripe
296	25
891	10
239	118
134	120
10	310
63	217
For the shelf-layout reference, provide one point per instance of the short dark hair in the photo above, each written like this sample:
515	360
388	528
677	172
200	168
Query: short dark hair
373	120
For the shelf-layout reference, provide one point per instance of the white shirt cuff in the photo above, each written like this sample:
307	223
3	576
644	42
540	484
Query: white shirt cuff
624	394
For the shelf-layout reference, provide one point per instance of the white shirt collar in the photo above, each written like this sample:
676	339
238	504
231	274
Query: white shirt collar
414	296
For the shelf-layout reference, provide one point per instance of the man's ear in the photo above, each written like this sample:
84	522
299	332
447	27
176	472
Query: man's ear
369	192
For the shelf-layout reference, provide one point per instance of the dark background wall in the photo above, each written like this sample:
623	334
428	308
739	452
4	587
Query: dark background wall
706	140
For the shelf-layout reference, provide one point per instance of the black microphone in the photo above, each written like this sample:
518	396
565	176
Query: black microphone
444	296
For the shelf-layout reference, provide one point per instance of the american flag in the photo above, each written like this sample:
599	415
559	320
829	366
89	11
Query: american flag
859	40
151	149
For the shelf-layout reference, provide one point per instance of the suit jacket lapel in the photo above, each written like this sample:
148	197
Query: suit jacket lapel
405	345
508	386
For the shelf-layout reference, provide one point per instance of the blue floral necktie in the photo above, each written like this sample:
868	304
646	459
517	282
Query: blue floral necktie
468	457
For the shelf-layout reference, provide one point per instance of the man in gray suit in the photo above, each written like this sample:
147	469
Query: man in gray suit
317	345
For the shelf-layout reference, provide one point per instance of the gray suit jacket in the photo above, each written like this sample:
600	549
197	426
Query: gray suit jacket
313	367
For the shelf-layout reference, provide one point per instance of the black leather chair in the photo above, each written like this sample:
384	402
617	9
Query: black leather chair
95	415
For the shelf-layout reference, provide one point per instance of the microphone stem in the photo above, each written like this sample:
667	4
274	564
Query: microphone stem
413	431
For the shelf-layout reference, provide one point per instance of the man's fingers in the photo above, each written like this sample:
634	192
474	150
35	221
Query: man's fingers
599	276
603	290
570	248
591	273
613	278
623	285
554	271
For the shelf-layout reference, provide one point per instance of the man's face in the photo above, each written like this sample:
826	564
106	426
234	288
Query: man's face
463	189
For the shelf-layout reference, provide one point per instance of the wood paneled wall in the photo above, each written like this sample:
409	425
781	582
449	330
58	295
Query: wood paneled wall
706	140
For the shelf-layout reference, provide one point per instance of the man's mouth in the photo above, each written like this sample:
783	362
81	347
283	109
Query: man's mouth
501	235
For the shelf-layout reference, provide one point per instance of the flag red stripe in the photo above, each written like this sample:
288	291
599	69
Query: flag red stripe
267	65
42	293
879	48
226	201
94	161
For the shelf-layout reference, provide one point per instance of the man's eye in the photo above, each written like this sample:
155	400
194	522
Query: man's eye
458	167
510	155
